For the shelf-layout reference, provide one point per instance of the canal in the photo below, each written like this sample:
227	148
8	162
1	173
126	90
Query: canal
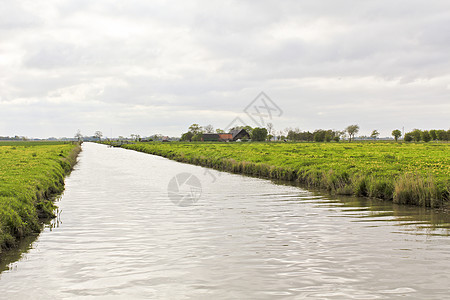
132	225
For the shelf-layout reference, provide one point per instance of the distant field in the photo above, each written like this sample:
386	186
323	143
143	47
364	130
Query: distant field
31	143
406	173
29	173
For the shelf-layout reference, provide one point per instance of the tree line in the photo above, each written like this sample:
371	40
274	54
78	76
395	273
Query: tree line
195	133
417	135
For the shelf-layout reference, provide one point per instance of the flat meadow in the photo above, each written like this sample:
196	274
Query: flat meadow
405	173
30	173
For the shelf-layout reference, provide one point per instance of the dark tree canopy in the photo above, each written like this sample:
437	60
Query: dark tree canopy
396	134
259	134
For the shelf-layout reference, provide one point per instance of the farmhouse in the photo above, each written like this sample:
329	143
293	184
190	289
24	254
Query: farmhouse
225	137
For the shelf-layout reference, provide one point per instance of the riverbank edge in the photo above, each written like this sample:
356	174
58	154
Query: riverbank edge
408	189
43	203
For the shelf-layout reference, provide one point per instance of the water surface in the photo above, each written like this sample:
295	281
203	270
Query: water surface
119	236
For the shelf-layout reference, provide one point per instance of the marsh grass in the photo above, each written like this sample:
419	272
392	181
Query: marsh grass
414	189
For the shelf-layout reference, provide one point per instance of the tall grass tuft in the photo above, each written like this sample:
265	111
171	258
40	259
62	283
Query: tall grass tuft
414	189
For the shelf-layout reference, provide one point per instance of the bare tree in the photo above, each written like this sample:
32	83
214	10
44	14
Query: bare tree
209	128
78	135
135	137
269	127
98	134
280	134
352	130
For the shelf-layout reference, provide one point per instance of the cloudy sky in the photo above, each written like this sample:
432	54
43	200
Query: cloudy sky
148	67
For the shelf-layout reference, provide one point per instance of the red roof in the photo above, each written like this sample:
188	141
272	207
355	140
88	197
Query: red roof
225	136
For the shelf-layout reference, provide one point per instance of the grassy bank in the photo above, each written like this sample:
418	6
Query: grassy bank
30	173
404	173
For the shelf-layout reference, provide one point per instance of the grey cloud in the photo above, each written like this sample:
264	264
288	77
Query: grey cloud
134	66
15	15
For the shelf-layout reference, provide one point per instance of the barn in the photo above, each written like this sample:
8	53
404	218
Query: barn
210	137
234	135
239	134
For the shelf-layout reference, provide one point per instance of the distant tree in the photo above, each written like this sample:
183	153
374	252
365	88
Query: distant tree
259	134
433	134
319	135
98	134
195	129
198	137
219	131
340	134
291	135
248	128
408	137
375	134
78	135
280	135
269	128
352	130
337	139
209	128
297	135
329	135
441	135
157	137
187	136
425	135
417	135
396	134
135	137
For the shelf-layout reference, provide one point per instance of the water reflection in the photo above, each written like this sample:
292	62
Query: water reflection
423	220
8	257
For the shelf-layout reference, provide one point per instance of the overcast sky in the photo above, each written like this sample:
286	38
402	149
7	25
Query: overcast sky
148	67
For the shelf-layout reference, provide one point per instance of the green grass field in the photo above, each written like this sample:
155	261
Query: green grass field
30	173
405	173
